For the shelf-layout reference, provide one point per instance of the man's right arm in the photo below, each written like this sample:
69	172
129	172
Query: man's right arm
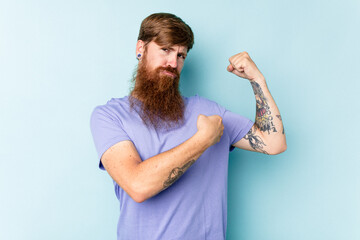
144	179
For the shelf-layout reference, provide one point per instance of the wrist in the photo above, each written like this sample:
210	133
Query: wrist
259	79
202	139
259	83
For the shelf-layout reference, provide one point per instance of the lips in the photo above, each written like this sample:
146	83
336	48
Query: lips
169	73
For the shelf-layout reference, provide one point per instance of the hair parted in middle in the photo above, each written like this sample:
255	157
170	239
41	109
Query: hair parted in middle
166	29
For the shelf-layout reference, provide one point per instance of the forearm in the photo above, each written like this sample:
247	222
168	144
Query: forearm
268	119
161	171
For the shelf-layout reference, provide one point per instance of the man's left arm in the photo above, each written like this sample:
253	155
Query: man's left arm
267	134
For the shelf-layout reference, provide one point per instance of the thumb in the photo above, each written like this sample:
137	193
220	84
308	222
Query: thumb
201	116
230	68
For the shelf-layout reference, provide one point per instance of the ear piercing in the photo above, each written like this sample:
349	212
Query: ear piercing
139	56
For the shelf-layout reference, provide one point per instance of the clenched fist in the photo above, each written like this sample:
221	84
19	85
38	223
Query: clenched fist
211	128
243	66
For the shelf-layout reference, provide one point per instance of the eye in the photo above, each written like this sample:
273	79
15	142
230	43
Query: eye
181	55
165	49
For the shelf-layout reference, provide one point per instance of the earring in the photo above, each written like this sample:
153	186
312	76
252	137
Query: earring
139	56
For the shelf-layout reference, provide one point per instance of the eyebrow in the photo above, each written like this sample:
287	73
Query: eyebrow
183	53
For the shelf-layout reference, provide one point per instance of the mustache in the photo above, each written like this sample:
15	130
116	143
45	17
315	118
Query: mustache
169	69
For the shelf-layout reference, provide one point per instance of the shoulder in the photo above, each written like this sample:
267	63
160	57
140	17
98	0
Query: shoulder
200	100
113	109
205	105
113	105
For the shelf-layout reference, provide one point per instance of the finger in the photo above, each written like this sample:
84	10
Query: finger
230	68
239	73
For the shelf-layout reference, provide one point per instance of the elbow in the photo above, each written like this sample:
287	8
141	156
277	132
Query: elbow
277	150
139	193
138	198
134	191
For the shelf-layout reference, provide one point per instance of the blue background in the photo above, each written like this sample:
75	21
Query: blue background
59	59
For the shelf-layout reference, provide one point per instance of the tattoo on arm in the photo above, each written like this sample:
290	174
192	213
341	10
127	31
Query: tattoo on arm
263	114
279	117
255	141
176	173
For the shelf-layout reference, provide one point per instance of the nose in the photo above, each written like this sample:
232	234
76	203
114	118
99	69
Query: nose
172	61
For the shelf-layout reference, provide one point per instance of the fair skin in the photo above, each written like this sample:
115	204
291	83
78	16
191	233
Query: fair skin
267	134
173	56
144	178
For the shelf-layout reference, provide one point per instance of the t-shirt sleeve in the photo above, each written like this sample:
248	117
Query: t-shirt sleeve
235	125
106	129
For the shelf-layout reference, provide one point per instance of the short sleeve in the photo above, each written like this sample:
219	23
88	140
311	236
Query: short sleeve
106	130
237	126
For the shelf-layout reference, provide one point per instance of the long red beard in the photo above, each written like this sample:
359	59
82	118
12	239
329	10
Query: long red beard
159	97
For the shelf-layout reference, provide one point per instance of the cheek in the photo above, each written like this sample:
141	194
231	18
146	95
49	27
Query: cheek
158	62
180	67
153	63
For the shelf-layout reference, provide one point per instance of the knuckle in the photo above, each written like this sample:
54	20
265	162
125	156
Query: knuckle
219	119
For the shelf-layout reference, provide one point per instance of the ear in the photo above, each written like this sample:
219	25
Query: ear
140	47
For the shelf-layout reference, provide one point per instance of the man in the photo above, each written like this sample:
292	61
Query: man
168	154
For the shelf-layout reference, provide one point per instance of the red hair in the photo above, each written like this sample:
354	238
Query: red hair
166	29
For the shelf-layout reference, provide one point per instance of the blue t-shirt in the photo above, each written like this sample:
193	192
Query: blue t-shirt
195	206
